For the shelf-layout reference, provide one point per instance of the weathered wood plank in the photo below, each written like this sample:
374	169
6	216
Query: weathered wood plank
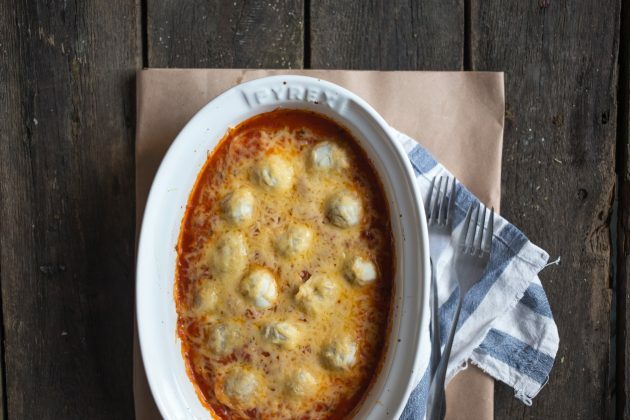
558	175
66	206
623	221
387	35
623	276
8	118
225	33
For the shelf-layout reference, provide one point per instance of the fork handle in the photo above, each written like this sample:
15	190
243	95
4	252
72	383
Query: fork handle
435	324
436	399
436	348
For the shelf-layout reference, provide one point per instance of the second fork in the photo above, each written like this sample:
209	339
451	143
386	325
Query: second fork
471	260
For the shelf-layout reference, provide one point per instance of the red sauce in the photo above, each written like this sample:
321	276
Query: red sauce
192	235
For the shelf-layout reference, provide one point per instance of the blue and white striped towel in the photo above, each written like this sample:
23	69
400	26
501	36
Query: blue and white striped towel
506	327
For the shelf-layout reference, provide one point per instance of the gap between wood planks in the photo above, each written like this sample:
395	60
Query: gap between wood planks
621	241
467	37
306	60
3	364
144	33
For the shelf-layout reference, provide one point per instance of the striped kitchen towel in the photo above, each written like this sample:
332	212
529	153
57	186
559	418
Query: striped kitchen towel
506	327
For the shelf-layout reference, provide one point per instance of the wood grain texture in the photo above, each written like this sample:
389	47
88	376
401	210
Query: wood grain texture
623	276
225	33
66	206
558	176
387	35
623	221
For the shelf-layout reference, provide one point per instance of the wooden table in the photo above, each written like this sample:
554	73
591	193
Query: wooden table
67	167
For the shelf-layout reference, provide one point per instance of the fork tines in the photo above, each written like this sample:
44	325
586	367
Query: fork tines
438	208
472	238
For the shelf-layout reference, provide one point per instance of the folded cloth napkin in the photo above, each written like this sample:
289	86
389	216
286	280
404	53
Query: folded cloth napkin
506	327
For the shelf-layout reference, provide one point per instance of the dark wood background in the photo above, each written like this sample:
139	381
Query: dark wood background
67	167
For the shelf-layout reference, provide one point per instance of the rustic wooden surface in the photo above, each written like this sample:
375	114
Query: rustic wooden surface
623	223
66	177
225	33
559	176
66	207
387	35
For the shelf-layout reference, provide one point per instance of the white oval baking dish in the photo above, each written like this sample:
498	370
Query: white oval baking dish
156	257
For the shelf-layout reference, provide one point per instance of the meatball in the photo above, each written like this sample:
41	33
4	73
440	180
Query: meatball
339	354
205	299
327	156
294	241
316	293
259	287
224	338
360	271
228	256
282	334
274	173
344	209
238	206
300	383
240	386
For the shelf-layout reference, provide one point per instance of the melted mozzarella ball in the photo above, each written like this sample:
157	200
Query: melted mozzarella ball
206	298
300	383
240	386
360	271
274	173
294	241
343	209
259	287
238	206
327	156
224	338
316	294
282	334
228	255
339	354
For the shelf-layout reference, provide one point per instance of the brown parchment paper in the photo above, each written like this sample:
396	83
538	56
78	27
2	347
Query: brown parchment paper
457	116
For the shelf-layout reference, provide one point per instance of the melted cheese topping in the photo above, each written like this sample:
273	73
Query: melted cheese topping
279	317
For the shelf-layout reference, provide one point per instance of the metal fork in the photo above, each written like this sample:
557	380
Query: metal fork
439	212
471	260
